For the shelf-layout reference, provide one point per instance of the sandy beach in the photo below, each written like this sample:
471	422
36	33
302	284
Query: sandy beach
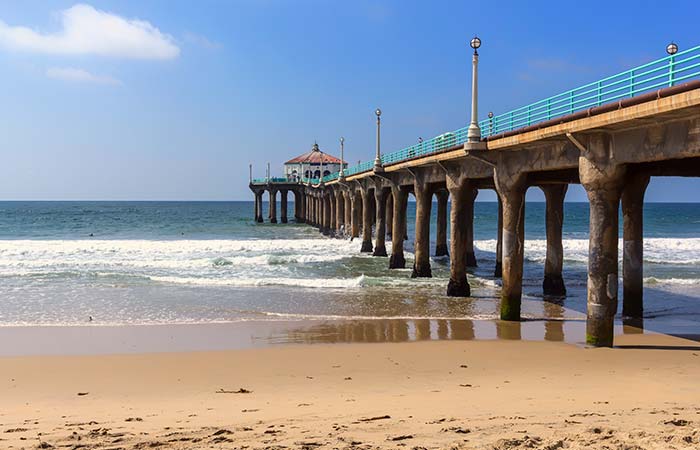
438	394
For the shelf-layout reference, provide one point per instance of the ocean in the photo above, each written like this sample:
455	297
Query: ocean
152	263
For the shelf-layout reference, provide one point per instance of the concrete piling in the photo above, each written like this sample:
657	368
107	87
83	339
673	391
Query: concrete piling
459	189
441	236
603	181
380	232
553	283
400	200
283	206
469	252
273	206
498	271
633	245
366	221
511	188
421	265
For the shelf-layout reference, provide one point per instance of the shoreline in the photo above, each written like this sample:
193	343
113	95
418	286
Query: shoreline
496	394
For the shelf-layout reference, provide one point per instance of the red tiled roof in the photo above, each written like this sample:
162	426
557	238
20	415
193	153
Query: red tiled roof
315	156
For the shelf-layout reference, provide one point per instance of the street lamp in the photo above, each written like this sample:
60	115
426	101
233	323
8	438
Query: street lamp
490	123
474	132
268	172
341	175
672	48
378	158
250	167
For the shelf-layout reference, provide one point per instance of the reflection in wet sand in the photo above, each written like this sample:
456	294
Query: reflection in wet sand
404	330
554	329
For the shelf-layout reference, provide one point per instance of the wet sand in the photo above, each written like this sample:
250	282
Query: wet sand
501	394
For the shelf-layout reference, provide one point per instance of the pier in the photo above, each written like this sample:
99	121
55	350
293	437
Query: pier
610	136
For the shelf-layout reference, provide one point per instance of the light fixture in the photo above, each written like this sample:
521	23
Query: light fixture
672	48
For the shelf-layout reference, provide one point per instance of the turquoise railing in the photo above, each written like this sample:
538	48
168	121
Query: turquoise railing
664	72
270	180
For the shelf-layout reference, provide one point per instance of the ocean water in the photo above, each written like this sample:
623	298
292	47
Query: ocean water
133	263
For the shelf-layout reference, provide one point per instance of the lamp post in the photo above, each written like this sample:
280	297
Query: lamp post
490	123
378	158
268	172
250	168
671	49
341	174
474	132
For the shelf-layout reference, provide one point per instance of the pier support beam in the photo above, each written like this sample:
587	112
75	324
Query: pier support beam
356	214
327	214
273	206
258	211
441	235
339	212
633	246
511	185
421	265
332	213
470	199
389	214
347	209
603	180
460	190
553	281
400	201
498	271
283	206
366	221
380	231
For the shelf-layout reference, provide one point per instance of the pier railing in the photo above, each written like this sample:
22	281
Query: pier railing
665	72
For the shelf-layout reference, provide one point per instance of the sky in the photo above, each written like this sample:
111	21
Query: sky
172	100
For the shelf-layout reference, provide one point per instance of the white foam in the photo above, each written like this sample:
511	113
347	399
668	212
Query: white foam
323	283
656	250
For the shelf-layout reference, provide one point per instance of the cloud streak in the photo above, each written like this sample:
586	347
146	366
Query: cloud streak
80	76
88	31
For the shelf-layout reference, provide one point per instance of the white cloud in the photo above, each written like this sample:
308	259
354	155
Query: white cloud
88	31
80	75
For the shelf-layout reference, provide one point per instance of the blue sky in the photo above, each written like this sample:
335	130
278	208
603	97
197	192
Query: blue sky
171	100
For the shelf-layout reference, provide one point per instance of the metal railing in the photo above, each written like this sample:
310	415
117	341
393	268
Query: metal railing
664	72
271	180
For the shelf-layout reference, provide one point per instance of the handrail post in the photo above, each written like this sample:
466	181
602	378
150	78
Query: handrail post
671	63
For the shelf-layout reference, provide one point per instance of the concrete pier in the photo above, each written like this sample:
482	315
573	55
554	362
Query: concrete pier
603	180
366	221
553	281
611	149
633	245
400	200
421	265
460	190
441	237
511	188
380	232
